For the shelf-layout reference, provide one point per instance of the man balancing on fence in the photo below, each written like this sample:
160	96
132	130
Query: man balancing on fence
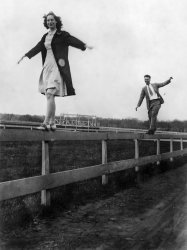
153	99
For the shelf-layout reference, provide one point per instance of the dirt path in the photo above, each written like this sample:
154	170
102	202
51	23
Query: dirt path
153	216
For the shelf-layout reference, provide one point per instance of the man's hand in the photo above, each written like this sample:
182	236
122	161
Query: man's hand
20	59
170	78
136	108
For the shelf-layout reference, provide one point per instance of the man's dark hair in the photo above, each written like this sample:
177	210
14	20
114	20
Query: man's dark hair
57	18
147	76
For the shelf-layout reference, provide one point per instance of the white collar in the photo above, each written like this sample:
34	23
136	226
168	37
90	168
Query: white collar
52	32
149	86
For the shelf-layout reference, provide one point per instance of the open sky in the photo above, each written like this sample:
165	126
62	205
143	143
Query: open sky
131	38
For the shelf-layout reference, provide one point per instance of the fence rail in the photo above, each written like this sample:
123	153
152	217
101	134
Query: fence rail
36	135
47	181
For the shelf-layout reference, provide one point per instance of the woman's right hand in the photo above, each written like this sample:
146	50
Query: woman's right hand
20	59
88	46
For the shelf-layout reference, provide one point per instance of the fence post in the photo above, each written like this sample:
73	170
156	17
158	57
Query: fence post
104	160
158	149
45	194
181	145
136	157
181	142
136	153
171	148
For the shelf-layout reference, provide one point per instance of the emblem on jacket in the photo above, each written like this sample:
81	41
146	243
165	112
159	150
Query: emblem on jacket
61	62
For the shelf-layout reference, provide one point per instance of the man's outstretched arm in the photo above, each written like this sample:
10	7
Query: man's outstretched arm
142	95
164	83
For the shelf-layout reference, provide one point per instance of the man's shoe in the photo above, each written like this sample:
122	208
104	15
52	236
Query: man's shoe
150	132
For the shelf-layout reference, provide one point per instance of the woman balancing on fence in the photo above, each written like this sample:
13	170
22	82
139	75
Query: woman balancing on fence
55	78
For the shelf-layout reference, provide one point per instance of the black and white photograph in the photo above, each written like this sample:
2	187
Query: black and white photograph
93	125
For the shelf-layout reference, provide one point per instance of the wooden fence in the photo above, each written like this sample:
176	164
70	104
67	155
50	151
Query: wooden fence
47	181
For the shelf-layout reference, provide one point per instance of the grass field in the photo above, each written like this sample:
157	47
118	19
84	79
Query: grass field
19	160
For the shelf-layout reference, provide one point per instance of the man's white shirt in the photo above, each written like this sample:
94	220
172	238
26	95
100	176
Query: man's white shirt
154	95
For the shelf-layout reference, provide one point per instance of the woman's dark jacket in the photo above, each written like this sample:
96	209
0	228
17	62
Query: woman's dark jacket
60	42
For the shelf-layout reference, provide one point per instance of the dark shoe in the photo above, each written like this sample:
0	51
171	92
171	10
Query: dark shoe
44	127
150	132
53	127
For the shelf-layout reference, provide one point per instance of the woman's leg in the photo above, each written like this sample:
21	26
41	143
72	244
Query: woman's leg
51	107
52	120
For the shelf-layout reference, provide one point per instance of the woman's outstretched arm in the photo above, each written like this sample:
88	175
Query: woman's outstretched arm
75	42
34	51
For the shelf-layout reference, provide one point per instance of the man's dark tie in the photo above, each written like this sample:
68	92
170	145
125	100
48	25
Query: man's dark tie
150	91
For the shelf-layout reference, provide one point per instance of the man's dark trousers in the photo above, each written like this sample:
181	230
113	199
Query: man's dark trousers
153	112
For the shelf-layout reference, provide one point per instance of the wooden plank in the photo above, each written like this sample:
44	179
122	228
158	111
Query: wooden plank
168	140
20	123
104	161
45	194
126	164
21	135
16	188
36	135
125	136
74	136
174	140
142	136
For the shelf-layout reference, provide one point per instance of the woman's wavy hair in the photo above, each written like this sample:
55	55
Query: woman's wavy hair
57	19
